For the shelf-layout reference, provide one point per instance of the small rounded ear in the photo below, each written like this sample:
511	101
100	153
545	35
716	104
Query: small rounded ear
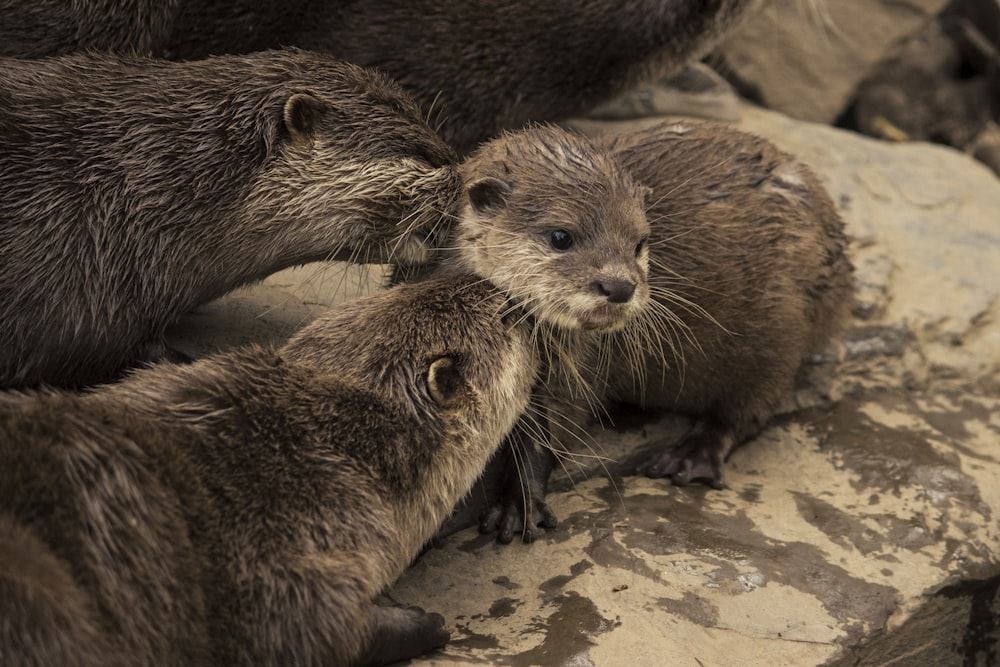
646	193
487	193
302	114
444	381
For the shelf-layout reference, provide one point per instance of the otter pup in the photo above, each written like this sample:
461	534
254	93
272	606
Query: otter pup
134	190
247	508
703	299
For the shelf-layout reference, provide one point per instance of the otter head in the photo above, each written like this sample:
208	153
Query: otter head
554	221
442	370
354	171
445	353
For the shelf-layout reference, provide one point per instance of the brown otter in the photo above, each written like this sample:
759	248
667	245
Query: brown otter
477	66
746	269
245	509
135	189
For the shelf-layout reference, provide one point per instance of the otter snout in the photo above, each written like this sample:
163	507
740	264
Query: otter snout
615	291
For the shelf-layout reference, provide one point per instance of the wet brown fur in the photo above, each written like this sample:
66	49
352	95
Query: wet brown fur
135	189
747	274
480	66
245	509
476	66
41	28
749	253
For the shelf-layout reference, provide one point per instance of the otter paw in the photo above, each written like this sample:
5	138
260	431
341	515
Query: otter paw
690	461
507	519
402	633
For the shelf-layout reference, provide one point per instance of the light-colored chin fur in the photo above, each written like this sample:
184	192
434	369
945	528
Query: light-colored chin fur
582	312
602	327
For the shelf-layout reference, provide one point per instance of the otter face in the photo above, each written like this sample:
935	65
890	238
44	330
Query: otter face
358	172
448	371
441	350
552	220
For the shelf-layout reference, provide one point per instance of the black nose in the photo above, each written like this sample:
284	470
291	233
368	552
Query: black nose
615	291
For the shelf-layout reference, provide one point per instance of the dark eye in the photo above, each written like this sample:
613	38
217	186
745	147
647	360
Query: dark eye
560	239
639	248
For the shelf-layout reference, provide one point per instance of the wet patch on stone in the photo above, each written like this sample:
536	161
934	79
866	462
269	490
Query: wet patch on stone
750	493
949	414
976	561
848	530
472	641
568	633
734	555
891	459
506	583
694	607
552	586
871	341
504	607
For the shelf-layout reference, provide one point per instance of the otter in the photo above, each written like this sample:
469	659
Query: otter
478	66
686	267
247	508
475	66
136	189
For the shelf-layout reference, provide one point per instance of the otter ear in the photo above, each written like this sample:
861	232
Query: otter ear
646	193
444	381
302	114
487	193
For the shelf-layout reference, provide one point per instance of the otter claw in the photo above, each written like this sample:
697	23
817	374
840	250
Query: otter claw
693	459
507	519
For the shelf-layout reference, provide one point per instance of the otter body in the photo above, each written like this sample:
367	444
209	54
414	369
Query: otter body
481	66
705	301
245	509
42	28
135	190
475	66
749	274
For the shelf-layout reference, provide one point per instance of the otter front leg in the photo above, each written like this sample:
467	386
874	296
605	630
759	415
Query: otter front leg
521	507
402	633
316	609
699	455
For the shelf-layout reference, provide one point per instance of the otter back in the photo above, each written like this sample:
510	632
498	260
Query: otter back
462	58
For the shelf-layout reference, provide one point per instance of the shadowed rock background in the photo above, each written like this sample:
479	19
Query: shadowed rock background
861	527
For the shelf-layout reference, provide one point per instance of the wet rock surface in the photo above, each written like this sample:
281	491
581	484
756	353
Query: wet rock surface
861	527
